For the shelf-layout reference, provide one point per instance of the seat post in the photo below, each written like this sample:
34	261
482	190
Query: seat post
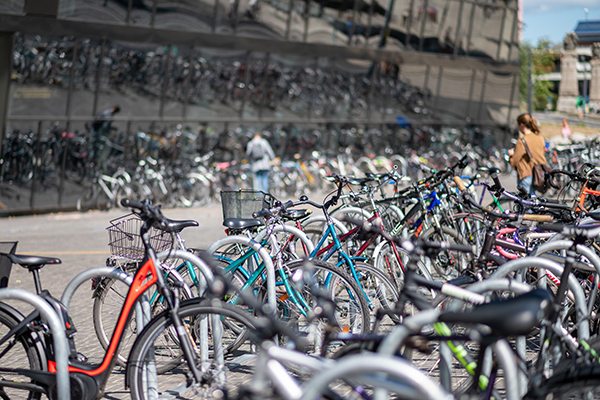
36	278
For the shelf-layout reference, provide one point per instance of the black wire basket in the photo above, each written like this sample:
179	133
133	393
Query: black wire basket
242	203
126	243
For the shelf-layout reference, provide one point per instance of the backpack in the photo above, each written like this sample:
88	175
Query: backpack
258	152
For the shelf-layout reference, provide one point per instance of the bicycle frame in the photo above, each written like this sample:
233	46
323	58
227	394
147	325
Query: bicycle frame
260	274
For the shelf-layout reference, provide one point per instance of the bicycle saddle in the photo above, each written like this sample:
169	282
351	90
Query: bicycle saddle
32	262
515	316
242	223
177	226
360	181
296	214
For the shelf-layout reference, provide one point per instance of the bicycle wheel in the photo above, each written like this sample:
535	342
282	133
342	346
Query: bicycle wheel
19	352
448	264
470	227
381	294
156	348
351	308
578	382
393	260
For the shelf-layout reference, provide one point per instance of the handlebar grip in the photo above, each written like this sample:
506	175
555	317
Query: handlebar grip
497	184
538	217
132	204
552	227
460	184
262	213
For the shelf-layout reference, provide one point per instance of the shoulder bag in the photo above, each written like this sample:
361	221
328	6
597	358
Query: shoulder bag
540	172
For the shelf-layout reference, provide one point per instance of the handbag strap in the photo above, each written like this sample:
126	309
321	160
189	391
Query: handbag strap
527	150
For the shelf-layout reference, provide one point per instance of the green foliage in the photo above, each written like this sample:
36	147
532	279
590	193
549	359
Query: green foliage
543	59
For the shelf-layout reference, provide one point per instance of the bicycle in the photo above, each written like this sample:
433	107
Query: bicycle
182	330
106	191
127	252
245	261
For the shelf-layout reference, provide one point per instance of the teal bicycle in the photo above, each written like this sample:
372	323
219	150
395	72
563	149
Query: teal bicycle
266	264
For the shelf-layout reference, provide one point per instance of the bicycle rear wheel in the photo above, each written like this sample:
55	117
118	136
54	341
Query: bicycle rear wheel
19	352
157	349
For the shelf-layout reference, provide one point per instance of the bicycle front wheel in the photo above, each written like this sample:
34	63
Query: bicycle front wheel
109	298
381	294
351	308
157	349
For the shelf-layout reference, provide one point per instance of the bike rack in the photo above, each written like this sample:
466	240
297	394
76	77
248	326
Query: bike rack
196	261
301	235
92	273
208	278
61	346
264	254
583	323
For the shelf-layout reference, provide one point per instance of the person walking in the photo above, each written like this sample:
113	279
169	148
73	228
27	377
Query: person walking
101	129
260	154
102	123
566	130
580	106
529	138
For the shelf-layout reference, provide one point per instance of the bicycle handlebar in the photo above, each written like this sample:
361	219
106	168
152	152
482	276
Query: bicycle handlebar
510	217
585	231
132	204
149	213
407	244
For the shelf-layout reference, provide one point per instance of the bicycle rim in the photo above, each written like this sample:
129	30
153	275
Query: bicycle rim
155	349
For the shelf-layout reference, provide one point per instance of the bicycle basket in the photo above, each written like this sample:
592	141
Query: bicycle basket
242	203
125	241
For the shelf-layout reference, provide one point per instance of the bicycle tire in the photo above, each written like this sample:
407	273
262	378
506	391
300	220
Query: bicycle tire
381	293
578	382
471	227
22	353
352	311
393	267
448	264
148	350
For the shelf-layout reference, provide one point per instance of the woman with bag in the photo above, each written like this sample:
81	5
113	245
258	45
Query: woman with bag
529	151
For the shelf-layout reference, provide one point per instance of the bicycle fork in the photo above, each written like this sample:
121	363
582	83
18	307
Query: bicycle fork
190	350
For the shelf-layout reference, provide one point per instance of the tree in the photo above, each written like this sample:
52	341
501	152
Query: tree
544	58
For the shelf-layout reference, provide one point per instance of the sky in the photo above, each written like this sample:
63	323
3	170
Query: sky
552	19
